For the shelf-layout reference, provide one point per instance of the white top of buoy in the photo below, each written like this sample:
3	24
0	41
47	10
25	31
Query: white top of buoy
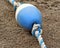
22	7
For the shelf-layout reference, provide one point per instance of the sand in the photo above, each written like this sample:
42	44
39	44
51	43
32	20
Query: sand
14	36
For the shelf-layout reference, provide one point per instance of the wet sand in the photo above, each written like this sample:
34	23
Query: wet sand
14	36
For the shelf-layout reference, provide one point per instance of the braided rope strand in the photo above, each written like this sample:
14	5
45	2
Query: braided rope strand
36	31
40	39
14	3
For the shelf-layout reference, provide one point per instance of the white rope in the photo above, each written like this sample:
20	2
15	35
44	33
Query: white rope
38	35
14	3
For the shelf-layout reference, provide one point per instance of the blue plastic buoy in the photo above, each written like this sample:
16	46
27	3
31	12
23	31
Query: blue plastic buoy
30	18
27	15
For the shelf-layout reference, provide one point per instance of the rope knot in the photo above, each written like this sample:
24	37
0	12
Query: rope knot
36	27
